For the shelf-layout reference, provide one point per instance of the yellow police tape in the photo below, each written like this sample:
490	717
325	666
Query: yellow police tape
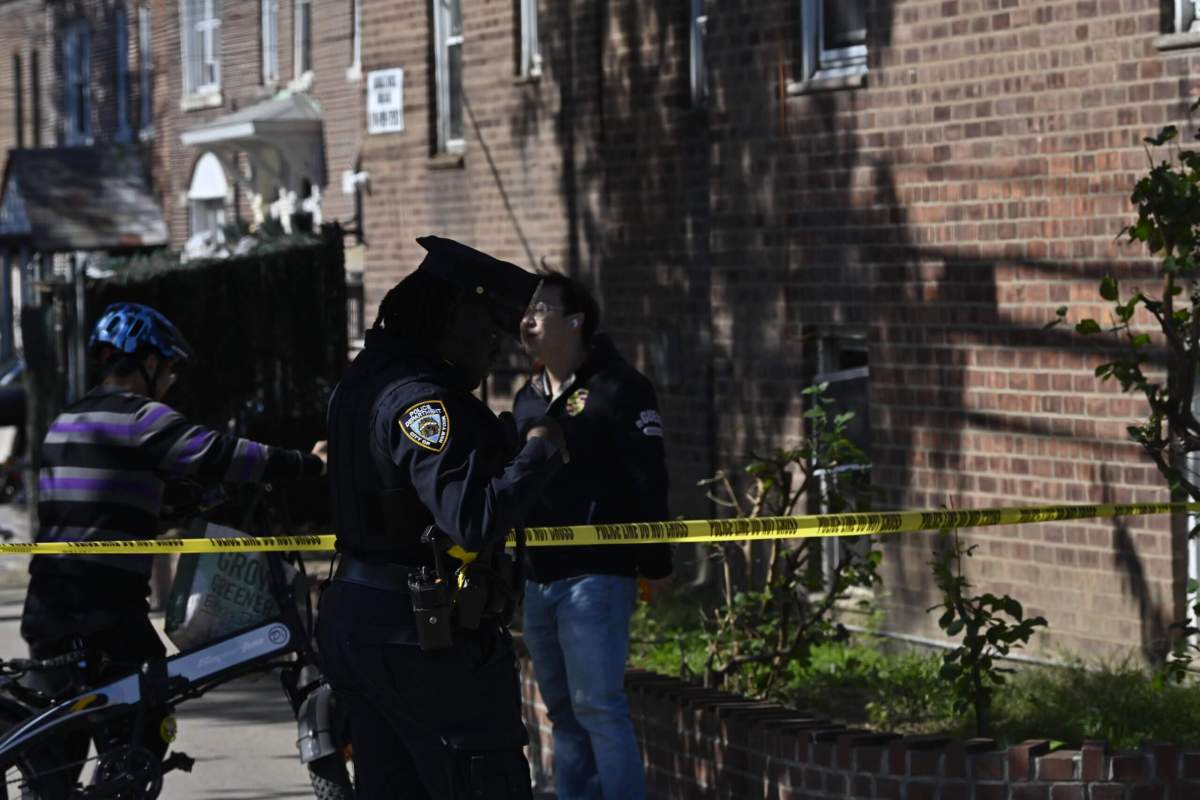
716	530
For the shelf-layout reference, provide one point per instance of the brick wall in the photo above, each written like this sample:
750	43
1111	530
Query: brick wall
341	98
24	27
703	743
941	212
28	27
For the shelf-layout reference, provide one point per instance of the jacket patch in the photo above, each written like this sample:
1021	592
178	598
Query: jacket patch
650	423
427	424
576	402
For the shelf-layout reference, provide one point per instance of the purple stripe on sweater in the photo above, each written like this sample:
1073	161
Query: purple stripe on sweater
100	485
193	445
115	428
154	416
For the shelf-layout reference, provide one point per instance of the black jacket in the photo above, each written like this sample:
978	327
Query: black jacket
617	472
409	445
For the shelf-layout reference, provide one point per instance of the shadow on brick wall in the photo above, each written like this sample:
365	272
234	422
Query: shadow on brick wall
719	235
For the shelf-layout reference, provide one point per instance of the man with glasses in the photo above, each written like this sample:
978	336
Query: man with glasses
579	600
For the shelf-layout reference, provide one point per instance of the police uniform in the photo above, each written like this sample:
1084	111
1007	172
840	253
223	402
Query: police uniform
412	450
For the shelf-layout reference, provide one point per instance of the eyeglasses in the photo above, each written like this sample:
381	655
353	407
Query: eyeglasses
540	309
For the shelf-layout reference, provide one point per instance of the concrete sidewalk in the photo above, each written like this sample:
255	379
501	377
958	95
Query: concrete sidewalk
14	568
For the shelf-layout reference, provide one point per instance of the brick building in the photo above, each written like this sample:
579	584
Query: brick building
891	196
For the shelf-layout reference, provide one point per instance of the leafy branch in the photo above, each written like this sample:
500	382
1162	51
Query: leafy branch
770	617
990	627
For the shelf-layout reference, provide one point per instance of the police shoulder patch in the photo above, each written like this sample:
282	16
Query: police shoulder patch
650	423
427	425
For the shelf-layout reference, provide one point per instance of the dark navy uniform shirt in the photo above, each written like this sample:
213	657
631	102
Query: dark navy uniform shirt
618	473
410	445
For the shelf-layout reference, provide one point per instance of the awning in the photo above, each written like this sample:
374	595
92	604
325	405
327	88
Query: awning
282	137
61	199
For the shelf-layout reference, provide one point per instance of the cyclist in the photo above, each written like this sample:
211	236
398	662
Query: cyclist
105	462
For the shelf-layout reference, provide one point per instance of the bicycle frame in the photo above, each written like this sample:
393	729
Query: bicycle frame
181	676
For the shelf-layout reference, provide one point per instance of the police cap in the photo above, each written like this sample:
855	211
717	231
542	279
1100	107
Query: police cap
505	288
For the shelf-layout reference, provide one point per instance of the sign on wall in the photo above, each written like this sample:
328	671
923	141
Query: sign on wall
385	101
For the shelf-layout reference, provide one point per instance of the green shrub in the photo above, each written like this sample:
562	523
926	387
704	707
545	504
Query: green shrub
865	682
1121	703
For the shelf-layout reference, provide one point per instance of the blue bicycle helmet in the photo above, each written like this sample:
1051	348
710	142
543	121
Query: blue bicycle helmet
130	327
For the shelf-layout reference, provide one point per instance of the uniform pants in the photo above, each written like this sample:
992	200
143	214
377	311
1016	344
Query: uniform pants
441	725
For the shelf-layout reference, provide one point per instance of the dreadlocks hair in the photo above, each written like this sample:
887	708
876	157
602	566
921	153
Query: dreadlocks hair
418	307
576	299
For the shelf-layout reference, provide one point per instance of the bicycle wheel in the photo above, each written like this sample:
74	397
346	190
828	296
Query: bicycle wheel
330	778
37	773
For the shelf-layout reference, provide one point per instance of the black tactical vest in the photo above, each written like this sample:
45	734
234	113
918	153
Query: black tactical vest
374	521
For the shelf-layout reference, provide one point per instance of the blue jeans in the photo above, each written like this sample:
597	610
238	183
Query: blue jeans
577	631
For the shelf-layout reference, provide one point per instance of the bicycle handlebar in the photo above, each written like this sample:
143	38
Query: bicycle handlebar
34	664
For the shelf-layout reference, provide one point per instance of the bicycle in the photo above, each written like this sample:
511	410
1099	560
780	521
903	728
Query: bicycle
32	723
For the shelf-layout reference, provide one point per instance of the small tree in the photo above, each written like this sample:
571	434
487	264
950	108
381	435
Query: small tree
771	614
1167	200
972	668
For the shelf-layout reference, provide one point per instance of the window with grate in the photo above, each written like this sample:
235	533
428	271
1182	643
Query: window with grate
201	34
448	74
77	89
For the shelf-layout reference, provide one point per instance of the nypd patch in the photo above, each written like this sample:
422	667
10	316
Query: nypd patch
427	425
576	402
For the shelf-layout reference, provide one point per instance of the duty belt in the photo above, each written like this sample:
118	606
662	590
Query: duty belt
385	577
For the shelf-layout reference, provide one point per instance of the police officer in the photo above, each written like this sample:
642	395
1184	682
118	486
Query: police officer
426	484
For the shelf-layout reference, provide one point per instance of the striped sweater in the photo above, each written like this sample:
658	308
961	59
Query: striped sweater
106	460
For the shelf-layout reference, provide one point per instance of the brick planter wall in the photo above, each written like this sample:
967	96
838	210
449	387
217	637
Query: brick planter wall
704	743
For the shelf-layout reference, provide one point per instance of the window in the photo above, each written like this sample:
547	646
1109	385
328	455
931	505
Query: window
355	307
201	46
834	38
18	87
842	365
699	73
206	198
35	96
448	45
1187	16
270	41
355	70
121	37
77	90
531	52
146	65
302	22
208	218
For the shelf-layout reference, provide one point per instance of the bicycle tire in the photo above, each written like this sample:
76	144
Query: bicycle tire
41	777
330	778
